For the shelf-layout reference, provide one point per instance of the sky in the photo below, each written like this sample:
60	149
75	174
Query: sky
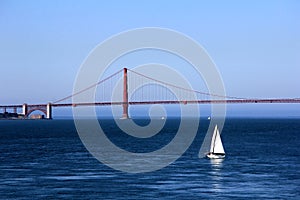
254	44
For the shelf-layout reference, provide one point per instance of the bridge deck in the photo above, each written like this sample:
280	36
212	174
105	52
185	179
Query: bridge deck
232	101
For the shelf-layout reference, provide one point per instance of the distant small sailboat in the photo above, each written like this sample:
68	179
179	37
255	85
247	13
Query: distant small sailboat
216	146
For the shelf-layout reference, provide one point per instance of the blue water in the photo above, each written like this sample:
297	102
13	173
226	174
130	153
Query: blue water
46	160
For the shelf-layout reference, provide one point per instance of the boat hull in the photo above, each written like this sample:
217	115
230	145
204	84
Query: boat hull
215	156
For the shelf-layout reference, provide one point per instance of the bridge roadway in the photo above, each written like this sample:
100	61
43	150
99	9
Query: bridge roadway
231	101
237	101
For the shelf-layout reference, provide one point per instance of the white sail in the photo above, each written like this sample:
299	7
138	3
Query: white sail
216	142
212	142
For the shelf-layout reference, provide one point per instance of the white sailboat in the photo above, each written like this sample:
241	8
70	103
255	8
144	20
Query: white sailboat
216	146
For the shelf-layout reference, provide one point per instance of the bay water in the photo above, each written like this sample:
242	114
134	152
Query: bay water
45	159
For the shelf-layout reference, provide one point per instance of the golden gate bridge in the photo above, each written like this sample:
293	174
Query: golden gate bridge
158	93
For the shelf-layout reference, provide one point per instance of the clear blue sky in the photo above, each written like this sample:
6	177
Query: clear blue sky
255	44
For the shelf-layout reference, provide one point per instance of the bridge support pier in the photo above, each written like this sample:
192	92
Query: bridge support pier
25	109
49	111
125	96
